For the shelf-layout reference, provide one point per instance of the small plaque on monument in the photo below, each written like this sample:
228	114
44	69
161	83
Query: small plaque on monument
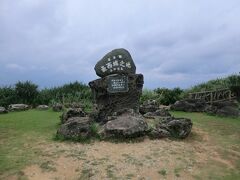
117	83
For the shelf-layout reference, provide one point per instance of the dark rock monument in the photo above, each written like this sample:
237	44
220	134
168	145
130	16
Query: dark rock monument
117	93
119	87
116	101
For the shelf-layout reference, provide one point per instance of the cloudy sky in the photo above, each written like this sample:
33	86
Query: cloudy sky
173	42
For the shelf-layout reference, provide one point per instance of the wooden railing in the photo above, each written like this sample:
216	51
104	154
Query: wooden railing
214	96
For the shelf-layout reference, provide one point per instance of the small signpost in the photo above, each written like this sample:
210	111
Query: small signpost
117	84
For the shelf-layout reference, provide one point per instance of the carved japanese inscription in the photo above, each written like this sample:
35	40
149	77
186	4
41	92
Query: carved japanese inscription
117	83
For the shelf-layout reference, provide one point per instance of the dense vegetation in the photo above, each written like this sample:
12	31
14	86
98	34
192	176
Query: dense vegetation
28	93
227	82
163	96
169	96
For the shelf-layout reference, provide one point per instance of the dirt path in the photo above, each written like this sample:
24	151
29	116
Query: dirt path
149	159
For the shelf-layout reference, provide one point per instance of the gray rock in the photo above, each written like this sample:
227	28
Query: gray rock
189	105
118	61
149	115
228	111
159	133
76	127
160	112
149	106
72	112
3	110
172	127
128	124
42	107
18	107
57	107
228	108
220	105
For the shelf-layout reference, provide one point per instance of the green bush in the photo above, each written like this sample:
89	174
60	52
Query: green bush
7	96
148	94
162	95
26	92
168	96
233	80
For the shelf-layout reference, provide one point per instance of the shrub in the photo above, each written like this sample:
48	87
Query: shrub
26	92
7	96
233	80
148	95
168	96
162	95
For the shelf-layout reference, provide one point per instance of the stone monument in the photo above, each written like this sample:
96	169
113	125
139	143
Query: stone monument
117	93
119	87
116	100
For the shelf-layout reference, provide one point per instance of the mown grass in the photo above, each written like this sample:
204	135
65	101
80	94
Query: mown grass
226	130
225	137
20	135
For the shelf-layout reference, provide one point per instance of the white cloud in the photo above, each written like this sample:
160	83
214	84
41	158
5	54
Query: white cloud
15	67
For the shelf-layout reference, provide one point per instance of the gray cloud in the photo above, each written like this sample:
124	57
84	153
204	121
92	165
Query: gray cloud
173	43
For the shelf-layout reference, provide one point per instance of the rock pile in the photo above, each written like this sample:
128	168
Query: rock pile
72	112
75	124
160	112
224	109
116	101
149	106
126	124
189	105
76	127
228	108
172	127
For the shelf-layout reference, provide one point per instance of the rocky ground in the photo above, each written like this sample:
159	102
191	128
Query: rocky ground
147	159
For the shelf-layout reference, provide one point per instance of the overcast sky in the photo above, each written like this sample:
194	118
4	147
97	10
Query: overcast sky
173	42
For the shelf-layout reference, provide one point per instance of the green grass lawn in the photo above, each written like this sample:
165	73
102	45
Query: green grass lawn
225	135
20	135
23	133
225	130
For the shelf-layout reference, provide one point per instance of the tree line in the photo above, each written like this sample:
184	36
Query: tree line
28	93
